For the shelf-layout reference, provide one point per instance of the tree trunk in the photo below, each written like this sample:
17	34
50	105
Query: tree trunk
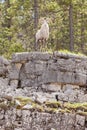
35	20
71	27
82	33
82	30
8	20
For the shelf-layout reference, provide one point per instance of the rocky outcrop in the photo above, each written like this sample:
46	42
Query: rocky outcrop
4	63
44	68
62	75
43	91
25	120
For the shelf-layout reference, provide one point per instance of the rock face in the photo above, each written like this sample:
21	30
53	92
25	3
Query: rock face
25	120
41	68
62	75
55	87
4	63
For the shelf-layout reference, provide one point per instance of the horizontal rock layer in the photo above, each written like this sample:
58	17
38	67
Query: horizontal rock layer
37	68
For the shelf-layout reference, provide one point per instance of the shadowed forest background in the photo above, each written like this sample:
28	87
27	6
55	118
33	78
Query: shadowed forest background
19	21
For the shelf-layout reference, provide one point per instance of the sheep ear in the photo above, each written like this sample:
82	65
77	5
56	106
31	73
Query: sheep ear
41	20
48	20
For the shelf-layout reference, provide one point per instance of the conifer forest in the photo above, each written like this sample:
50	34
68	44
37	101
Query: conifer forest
20	20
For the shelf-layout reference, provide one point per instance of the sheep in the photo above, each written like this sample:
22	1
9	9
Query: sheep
42	34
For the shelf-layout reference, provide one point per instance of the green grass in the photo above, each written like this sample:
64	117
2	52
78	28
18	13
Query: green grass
54	107
66	52
73	53
76	106
82	113
48	106
53	104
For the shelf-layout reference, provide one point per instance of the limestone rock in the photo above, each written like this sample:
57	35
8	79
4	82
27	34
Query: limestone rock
80	120
56	79
4	63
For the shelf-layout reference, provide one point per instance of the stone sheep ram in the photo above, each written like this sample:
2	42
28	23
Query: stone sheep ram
42	34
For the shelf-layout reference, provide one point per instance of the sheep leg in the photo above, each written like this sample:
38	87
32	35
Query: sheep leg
44	44
36	46
42	47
